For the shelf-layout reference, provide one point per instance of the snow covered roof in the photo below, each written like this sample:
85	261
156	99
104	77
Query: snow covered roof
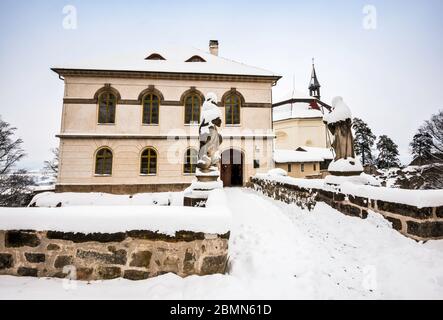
295	94
176	60
325	153
286	156
296	110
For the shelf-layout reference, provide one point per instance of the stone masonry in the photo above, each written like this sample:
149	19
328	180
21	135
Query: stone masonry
413	222
134	255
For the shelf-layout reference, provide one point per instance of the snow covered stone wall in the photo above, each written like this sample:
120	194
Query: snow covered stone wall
103	242
134	255
417	214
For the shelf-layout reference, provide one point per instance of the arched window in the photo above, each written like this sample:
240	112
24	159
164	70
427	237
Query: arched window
190	163
148	163
151	103
232	109
106	107
103	162
192	108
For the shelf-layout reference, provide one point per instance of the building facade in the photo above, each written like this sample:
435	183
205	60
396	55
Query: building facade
132	126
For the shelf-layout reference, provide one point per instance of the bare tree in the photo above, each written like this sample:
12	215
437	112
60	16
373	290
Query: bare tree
14	186
10	150
14	189
434	127
51	166
433	173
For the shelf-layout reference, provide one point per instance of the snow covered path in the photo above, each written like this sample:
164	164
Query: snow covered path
280	251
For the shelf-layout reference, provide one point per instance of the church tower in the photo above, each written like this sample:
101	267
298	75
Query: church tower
314	85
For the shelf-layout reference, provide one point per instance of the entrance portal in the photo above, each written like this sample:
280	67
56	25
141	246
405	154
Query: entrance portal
232	168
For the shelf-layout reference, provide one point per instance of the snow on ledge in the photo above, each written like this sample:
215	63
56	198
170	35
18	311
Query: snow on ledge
69	199
303	183
214	219
345	165
417	198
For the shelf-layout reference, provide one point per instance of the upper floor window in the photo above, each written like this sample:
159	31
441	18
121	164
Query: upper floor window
106	107
190	163
232	109
103	162
148	163
151	103
192	108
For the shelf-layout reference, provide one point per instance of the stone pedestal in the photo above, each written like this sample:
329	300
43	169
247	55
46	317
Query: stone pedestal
343	170
197	194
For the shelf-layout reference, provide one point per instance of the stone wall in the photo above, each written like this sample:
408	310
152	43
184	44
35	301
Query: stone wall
133	255
417	223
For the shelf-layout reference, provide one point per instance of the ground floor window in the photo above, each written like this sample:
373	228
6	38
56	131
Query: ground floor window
148	163
103	162
190	161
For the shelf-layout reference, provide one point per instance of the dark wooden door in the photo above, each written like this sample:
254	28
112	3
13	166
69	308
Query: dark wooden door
232	168
226	174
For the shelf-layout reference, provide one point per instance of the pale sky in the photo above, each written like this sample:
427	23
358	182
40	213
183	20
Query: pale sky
390	76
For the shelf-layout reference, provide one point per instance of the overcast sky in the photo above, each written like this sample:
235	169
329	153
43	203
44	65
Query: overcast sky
390	76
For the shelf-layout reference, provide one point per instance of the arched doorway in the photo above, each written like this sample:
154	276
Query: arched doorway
232	161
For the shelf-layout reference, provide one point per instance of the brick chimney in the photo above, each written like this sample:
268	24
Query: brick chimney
213	47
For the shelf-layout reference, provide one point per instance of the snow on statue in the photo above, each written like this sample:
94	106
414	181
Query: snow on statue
339	122
210	139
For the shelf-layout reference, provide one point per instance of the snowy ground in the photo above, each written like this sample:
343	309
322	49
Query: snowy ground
278	251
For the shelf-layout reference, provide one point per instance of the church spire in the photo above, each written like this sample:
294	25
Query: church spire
314	85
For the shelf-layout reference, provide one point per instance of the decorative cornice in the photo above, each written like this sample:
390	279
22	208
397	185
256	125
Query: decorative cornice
157	137
162	103
151	89
256	105
190	91
107	88
164	75
233	91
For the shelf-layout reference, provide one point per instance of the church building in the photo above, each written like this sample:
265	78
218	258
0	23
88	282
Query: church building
302	145
131	125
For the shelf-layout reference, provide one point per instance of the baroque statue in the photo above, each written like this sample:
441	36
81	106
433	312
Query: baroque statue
339	123
210	138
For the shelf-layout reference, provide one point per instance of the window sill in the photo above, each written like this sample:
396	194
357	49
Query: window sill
148	174
192	124
150	124
102	175
233	125
106	124
188	174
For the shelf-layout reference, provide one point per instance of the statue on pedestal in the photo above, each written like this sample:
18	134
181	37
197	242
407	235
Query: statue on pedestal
207	172
210	139
339	122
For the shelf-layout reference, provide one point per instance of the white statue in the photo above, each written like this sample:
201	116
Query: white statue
210	139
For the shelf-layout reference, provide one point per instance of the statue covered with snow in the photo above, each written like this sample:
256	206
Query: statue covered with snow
339	122
210	139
